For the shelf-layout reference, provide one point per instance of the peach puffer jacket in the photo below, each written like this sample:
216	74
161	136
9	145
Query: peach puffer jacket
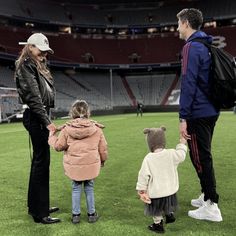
84	146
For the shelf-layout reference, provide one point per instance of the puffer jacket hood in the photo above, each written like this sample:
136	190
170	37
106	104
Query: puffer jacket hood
81	128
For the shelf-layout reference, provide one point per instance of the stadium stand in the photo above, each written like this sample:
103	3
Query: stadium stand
83	13
96	88
163	48
100	40
6	77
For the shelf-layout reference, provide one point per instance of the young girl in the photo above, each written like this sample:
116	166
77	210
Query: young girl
158	178
85	151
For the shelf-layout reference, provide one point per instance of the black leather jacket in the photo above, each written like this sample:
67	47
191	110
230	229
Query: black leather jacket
35	90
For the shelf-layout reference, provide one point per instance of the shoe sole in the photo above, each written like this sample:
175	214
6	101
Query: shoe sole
156	231
91	222
206	218
75	222
48	223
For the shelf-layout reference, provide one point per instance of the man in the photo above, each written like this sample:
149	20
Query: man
197	114
139	108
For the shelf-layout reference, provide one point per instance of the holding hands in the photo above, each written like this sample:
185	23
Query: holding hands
183	129
182	140
53	128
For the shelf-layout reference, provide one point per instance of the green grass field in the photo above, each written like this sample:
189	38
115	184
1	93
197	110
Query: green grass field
116	200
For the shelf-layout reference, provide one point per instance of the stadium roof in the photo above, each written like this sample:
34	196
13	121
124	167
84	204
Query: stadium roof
102	2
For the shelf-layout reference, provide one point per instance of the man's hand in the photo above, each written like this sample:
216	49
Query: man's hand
182	140
183	130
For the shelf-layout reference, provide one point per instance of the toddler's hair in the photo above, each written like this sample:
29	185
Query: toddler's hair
80	109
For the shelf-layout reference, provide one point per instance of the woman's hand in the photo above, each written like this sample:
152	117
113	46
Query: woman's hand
52	127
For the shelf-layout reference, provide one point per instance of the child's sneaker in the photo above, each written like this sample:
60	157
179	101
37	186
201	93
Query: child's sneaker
92	218
198	202
75	218
158	228
170	218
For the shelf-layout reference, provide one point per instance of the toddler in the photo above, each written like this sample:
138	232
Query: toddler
158	178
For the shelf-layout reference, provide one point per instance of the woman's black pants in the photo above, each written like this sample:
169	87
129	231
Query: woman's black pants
38	192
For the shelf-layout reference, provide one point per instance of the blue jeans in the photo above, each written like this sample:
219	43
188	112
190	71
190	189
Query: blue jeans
76	196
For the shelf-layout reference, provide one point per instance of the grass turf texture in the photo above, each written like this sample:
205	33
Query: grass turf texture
116	200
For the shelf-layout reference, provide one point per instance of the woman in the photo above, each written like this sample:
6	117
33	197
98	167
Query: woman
35	87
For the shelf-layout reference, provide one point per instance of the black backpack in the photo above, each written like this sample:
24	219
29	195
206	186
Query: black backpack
222	91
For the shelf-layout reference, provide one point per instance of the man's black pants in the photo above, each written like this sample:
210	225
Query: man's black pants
201	131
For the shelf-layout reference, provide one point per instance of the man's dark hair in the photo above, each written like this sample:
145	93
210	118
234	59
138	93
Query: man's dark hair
193	16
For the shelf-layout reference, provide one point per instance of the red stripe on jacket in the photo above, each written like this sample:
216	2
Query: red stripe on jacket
185	58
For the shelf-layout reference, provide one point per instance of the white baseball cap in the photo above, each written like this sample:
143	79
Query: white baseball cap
40	41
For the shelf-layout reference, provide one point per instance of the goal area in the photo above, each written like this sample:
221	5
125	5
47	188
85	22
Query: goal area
9	105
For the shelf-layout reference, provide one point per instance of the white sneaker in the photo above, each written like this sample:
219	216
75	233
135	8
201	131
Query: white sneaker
209	211
199	201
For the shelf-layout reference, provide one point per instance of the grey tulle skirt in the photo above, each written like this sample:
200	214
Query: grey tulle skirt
159	206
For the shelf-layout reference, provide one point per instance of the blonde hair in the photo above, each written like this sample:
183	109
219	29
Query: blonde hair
41	66
80	109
